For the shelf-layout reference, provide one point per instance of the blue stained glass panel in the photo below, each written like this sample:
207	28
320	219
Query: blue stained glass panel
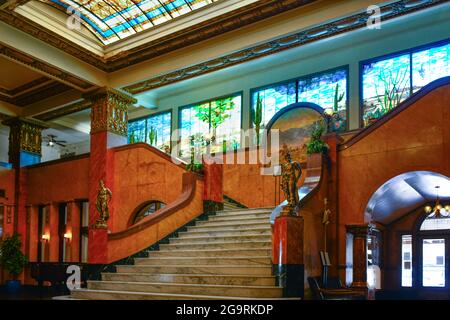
112	20
274	99
386	83
329	91
429	65
162	125
137	131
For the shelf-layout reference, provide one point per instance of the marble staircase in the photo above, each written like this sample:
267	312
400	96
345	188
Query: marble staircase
227	256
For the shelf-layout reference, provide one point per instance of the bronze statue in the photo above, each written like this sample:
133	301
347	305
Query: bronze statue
325	222
291	172
104	196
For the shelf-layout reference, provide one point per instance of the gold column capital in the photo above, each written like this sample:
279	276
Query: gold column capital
109	111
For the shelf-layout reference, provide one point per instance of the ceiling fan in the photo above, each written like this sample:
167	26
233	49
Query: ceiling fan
51	141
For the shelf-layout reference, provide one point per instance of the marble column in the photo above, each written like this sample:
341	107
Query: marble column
109	129
287	254
25	148
360	256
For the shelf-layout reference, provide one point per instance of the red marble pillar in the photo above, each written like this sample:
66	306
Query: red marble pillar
73	229
53	229
109	129
34	235
213	192
287	254
360	257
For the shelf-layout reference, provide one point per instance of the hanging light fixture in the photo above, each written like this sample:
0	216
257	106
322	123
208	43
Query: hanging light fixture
438	211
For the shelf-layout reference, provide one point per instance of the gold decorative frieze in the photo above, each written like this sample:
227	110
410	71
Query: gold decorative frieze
24	135
109	111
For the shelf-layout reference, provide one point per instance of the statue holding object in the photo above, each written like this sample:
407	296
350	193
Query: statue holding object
291	172
104	196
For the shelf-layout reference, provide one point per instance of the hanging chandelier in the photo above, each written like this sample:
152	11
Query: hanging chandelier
438	210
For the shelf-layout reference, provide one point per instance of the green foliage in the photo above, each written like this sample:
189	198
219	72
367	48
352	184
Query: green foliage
153	136
197	143
394	88
257	118
316	144
337	98
214	114
132	138
11	256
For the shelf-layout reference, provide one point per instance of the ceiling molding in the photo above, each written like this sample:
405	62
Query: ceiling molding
45	68
25	87
214	27
306	36
64	111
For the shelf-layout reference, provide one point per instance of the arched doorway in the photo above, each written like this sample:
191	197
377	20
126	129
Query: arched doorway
415	233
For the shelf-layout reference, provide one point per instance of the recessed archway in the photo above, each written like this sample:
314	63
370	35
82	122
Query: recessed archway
404	193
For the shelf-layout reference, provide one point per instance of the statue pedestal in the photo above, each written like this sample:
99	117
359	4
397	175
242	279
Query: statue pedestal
98	246
287	255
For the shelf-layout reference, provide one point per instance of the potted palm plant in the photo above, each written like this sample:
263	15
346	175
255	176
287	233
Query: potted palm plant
13	260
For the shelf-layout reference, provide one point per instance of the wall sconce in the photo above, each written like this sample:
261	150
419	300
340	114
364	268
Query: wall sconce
45	238
68	236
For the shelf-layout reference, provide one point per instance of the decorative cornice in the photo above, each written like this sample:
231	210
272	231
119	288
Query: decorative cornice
353	22
110	92
66	110
227	22
51	71
38	94
25	87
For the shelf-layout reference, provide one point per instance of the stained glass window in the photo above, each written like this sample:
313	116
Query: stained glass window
154	130
273	99
137	131
216	122
386	83
429	65
112	20
329	91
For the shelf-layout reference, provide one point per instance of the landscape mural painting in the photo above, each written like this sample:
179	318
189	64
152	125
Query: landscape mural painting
295	127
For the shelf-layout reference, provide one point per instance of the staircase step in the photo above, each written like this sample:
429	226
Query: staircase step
210	239
197	269
237	226
192	279
217	245
84	294
226	223
188	289
245	211
242	218
211	253
225	232
240	215
203	261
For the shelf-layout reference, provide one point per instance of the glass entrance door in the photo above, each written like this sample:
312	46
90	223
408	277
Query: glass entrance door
434	262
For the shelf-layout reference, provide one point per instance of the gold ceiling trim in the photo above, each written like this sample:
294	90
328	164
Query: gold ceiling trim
303	37
227	22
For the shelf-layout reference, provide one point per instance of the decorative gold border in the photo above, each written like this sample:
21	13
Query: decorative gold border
227	22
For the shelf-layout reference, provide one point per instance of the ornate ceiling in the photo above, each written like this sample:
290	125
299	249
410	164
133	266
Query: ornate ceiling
113	20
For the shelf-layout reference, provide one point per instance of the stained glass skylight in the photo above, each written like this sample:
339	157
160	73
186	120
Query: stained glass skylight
112	20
